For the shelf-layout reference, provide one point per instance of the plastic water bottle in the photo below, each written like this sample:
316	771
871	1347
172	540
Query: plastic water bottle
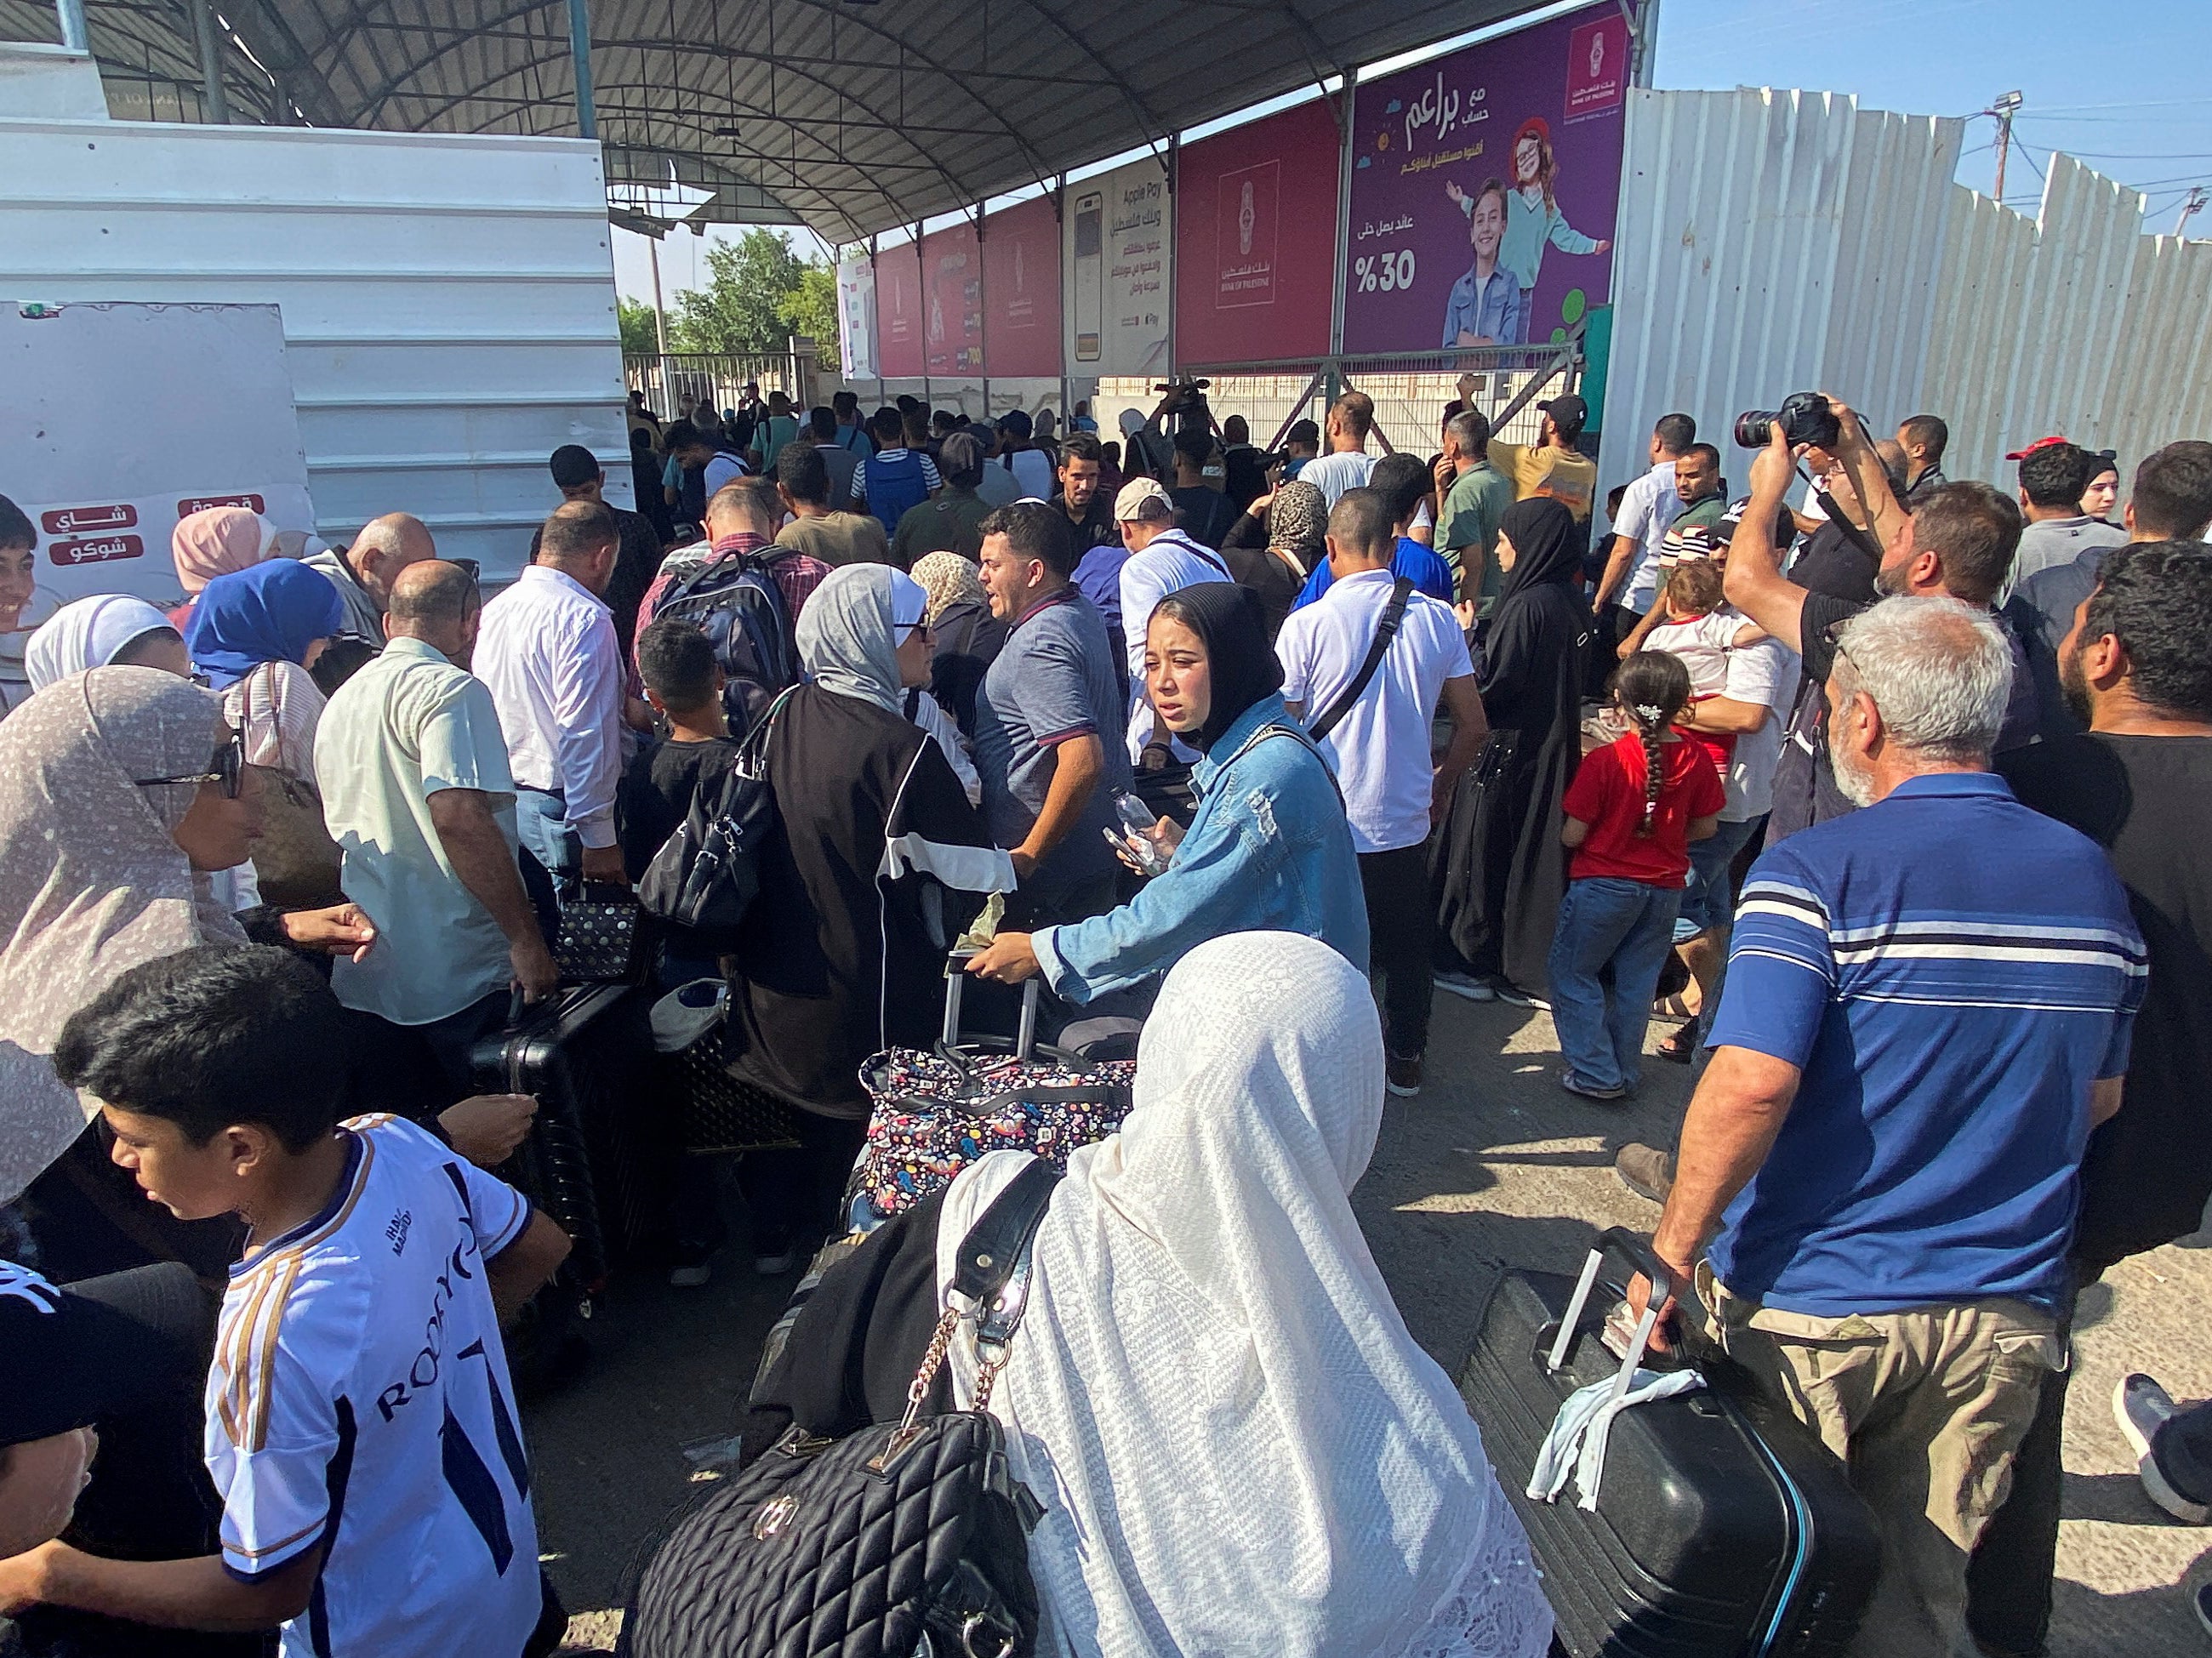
1137	822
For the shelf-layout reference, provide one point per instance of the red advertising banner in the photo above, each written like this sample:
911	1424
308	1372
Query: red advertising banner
899	313
952	301
1484	188
1021	291
1256	234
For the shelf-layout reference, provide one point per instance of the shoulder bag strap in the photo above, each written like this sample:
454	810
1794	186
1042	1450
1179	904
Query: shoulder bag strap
1386	629
993	1274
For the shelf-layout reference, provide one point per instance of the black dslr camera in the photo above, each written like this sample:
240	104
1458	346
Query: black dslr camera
1804	417
1186	401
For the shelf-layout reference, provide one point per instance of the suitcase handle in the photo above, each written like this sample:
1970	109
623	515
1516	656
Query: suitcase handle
955	978
1662	1286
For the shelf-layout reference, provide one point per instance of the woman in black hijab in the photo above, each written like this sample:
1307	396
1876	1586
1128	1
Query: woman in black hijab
1269	848
1499	869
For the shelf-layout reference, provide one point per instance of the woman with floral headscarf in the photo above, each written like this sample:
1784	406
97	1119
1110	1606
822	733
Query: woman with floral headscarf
1295	545
118	799
968	635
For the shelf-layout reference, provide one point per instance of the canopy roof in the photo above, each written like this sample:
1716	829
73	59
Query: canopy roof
848	116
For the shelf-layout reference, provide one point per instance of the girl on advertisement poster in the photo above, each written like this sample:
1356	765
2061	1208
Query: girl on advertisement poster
1533	217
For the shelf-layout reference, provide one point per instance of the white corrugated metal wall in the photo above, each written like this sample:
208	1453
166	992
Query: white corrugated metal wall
448	301
1770	242
2160	385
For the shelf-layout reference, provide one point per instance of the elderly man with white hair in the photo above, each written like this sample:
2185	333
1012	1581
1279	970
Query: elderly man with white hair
1928	1008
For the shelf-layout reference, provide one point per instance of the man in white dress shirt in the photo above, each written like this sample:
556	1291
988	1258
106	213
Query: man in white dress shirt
1647	508
1379	742
1161	559
548	655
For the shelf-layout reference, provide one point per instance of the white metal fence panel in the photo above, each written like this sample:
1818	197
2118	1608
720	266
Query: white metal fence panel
1770	241
448	301
2031	311
2159	387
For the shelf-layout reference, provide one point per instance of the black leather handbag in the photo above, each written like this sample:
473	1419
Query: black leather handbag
907	1538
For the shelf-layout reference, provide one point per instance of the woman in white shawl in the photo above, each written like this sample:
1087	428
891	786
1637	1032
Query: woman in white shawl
106	630
1238	1447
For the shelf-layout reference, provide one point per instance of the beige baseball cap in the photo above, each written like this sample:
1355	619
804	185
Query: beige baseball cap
1130	505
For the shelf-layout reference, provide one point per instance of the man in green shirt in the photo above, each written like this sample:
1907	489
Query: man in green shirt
1474	503
950	521
1698	481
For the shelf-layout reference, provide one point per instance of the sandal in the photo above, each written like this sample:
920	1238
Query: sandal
1682	1047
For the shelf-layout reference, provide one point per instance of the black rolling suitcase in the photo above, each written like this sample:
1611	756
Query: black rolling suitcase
591	1159
1723	1529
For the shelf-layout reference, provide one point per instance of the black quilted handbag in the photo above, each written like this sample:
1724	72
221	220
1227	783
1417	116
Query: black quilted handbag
907	1539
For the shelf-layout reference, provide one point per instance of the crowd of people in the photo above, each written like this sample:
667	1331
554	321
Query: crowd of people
1882	793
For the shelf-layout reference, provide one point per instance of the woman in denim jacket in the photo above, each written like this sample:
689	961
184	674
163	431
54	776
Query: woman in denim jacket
1269	847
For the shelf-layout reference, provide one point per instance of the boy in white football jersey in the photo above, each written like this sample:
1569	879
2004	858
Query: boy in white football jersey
360	1425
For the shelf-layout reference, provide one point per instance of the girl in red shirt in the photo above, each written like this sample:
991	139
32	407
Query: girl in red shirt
1631	812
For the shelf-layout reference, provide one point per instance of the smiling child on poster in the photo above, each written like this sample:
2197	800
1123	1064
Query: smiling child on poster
1532	211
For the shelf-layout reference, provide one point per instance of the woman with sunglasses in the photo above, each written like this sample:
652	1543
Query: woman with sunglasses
865	883
118	798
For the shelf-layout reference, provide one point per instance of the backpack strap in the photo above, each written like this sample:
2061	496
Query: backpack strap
1386	629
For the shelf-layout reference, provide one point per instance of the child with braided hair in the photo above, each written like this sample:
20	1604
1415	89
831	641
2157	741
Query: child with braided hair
1631	812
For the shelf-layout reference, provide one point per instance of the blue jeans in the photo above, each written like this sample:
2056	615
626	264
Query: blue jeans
1630	925
1706	902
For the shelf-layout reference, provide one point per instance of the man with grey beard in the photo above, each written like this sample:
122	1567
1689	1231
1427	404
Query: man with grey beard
1958	540
1928	1008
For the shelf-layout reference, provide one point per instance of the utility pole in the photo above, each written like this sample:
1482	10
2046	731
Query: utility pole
2190	209
2006	106
660	316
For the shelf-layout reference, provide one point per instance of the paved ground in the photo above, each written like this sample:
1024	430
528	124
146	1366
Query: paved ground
1493	1163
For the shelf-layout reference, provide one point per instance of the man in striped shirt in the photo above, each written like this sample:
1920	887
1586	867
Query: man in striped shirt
1928	1008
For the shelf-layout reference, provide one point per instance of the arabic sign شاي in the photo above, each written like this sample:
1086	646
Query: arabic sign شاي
1484	189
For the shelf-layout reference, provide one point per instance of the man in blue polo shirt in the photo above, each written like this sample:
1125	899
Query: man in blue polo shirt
1049	721
1928	1008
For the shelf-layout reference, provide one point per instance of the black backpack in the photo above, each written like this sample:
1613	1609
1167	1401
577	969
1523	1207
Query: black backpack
707	874
735	600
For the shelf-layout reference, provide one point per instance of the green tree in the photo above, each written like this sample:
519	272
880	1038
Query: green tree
812	308
741	307
635	319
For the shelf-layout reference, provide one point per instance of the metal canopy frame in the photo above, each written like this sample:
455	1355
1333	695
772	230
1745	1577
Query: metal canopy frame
850	117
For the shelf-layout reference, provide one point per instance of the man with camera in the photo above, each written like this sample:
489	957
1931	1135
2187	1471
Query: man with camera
1957	541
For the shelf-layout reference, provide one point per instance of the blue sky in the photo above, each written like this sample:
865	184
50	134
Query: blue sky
2127	88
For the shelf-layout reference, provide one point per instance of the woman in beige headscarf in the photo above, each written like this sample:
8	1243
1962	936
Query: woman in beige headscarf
968	635
117	796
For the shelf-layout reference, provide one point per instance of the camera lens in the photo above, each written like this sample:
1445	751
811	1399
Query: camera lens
1754	426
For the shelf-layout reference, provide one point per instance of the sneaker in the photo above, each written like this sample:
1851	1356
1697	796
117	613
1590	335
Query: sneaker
1646	1171
2202	1601
776	1265
691	1276
2143	1407
1465	985
1403	1077
1589	1090
1519	998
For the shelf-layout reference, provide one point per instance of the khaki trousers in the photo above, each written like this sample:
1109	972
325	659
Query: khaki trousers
1925	1408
